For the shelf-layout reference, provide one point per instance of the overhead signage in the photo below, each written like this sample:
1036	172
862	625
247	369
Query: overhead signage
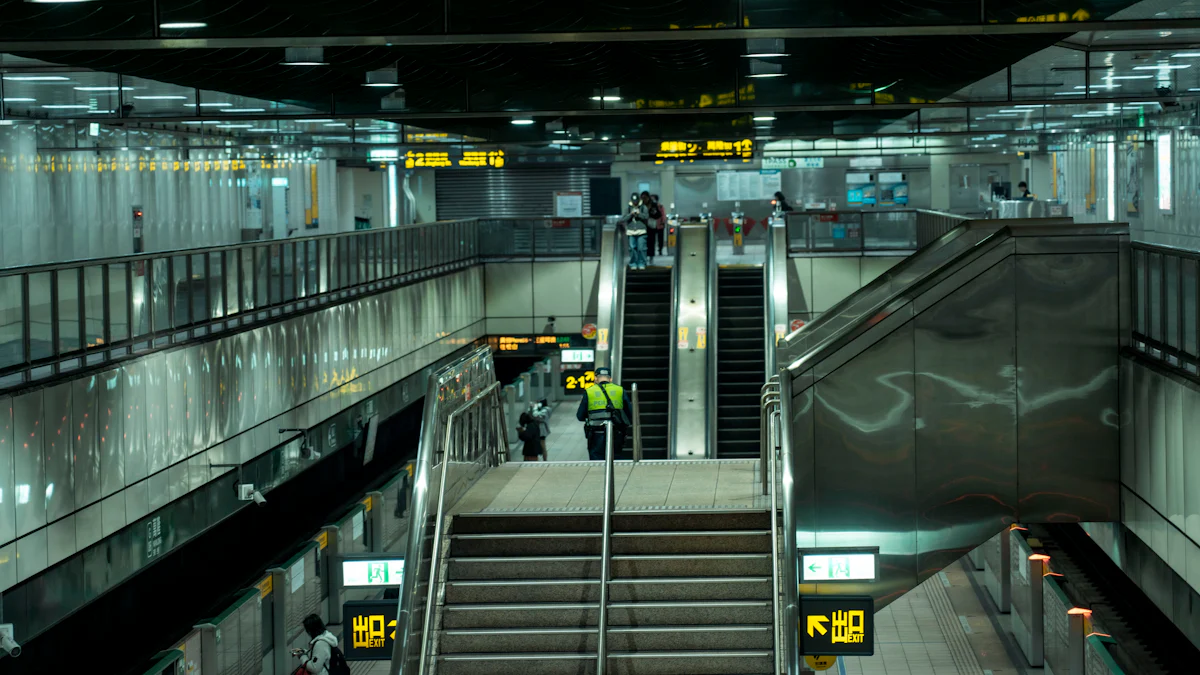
837	625
870	162
578	355
371	629
441	159
690	151
747	186
378	572
578	380
793	162
535	344
837	565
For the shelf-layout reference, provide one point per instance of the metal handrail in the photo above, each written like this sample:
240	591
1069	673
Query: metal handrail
790	563
769	395
605	552
636	420
672	370
710	446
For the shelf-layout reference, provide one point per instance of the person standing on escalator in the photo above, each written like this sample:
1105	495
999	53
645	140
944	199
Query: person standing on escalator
658	228
603	402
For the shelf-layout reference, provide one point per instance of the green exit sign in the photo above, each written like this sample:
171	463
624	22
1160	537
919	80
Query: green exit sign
838	565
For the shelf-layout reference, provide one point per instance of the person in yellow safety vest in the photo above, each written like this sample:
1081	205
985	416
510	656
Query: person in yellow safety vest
602	402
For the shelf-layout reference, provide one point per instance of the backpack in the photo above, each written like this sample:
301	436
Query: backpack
337	662
655	211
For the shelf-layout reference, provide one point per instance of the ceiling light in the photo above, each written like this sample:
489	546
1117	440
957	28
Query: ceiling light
314	121
304	56
1128	77
1068	93
765	118
1019	112
36	78
20	100
100	112
604	138
215	105
244	110
606	98
265	129
1165	66
764	75
522	121
765	48
180	25
335	124
1000	115
765	55
1031	105
103	88
157	97
1099	86
1186	55
55	106
235	126
384	77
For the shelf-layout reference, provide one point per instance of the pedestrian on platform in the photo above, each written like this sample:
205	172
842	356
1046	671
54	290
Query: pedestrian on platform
533	445
322	656
602	403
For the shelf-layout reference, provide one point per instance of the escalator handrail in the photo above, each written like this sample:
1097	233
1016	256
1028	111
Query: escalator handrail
710	445
885	307
616	299
672	370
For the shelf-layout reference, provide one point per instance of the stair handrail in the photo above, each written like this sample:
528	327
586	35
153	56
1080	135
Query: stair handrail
605	552
770	416
636	421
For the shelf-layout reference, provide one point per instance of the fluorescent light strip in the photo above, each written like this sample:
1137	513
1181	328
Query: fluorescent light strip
766	75
162	97
243	110
1127	77
181	25
1165	66
36	78
215	105
103	88
235	126
18	99
59	106
314	121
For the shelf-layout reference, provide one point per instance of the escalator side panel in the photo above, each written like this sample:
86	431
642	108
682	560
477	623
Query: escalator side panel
865	459
1068	341
965	385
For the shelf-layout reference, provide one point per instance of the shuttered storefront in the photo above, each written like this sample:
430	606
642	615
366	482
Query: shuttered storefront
510	192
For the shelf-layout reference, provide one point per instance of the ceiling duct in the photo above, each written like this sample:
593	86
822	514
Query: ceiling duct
393	101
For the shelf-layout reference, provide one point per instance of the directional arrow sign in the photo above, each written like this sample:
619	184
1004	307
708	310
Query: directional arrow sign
817	623
838	565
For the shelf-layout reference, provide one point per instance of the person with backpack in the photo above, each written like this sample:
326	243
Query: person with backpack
603	402
658	228
322	656
532	444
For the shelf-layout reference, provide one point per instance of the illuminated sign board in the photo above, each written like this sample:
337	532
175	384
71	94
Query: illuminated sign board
370	629
578	380
835	565
578	355
832	625
690	151
533	344
372	572
441	159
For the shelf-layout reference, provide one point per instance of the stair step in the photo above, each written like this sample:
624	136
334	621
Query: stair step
710	520
588	590
698	662
718	565
561	614
620	638
576	543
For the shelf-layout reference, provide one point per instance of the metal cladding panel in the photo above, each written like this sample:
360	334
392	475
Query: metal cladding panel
177	438
803	463
865	461
110	422
156	417
1175	451
8	514
512	192
85	392
1140	481
1128	422
29	464
1067	341
966	419
1191	468
59	491
133	397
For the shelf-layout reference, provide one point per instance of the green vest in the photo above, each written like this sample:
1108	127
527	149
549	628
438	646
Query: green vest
598	404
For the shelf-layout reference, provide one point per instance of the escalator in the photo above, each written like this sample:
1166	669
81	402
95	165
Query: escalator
969	388
741	361
646	353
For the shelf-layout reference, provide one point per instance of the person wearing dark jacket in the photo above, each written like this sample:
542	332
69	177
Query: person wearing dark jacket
530	433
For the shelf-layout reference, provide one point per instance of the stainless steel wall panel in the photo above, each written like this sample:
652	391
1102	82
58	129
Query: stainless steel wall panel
60	540
59	491
1128	422
8	512
158	494
134	439
863	342
963	276
966	418
31	554
221	405
212	393
198	472
1191	464
112	512
8	566
1068	398
177	438
1175	451
30	462
155	373
803	431
1157	494
85	392
865	459
1142	423
137	500
177	480
110	423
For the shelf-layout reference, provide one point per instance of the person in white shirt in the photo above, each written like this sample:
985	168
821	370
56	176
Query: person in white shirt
321	644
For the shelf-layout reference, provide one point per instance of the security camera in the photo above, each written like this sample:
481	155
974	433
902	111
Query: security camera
247	493
7	643
258	498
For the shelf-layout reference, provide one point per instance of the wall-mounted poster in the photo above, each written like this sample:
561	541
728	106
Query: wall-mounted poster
860	189
893	188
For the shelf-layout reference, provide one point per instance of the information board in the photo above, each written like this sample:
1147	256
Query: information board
837	565
837	625
748	186
379	572
568	204
530	345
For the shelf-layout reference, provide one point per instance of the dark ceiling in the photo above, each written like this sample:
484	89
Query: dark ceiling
667	88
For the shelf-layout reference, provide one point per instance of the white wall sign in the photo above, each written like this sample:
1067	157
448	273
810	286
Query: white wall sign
866	162
568	204
747	186
578	356
837	566
793	162
378	573
297	574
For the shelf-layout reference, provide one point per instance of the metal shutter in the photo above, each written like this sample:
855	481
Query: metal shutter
510	192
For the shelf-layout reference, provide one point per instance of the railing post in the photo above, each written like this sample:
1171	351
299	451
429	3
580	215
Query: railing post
605	552
636	421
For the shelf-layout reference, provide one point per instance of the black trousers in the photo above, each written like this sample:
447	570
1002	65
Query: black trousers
656	241
596	444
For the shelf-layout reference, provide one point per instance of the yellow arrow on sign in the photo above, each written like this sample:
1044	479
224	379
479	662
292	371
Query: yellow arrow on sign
1081	15
814	622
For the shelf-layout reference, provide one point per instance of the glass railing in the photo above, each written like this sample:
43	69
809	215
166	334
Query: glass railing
1166	304
866	231
63	316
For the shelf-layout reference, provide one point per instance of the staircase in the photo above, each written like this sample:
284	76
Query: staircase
741	363
690	594
646	355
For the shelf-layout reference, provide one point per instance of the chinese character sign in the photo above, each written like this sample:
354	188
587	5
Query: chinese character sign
371	629
698	150
837	625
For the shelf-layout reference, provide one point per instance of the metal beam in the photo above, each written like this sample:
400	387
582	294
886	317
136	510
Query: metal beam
987	29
